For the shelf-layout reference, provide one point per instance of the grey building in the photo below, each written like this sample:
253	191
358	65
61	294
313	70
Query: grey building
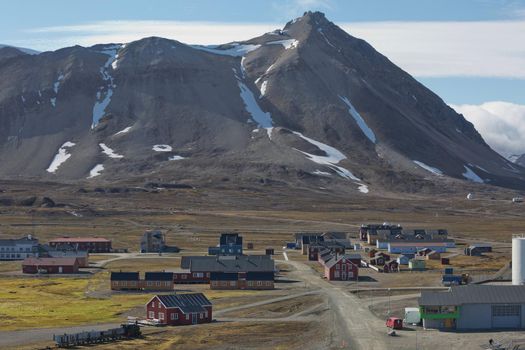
155	242
474	307
18	248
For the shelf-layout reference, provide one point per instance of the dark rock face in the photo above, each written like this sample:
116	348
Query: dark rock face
161	112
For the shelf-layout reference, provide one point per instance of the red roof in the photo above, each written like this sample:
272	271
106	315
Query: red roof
49	261
79	239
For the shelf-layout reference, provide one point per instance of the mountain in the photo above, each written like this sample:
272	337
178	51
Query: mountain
23	50
305	105
518	159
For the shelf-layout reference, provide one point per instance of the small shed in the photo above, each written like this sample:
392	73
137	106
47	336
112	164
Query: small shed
270	251
403	260
478	249
445	261
416	264
433	255
391	266
250	245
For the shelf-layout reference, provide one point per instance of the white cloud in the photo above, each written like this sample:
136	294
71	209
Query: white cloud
439	49
424	49
502	125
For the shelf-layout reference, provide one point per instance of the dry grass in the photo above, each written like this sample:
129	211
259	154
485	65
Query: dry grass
278	309
57	301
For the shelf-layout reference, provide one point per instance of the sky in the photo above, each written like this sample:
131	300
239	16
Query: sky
470	52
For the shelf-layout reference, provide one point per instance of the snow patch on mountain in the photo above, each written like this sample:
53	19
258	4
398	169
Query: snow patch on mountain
363	188
237	50
264	85
176	157
322	173
56	84
333	156
123	131
320	30
61	156
109	152
104	96
162	148
359	120
97	169
470	175
428	168
287	43
263	119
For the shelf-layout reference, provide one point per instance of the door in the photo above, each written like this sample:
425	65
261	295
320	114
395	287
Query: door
506	316
343	275
60	269
194	318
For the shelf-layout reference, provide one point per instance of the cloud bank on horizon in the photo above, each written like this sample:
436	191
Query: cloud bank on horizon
502	125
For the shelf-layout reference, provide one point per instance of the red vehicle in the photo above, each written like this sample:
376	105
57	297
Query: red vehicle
394	323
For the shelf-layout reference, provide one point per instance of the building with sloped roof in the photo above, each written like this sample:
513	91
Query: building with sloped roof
18	248
341	268
50	265
158	281
125	280
179	309
474	307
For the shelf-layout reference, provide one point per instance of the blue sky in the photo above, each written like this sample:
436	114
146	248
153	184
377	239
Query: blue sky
419	35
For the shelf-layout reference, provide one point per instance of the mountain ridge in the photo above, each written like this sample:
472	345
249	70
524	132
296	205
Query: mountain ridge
308	104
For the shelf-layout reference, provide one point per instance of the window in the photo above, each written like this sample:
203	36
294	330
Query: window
152	304
151	314
233	283
184	277
259	283
506	310
158	283
198	274
187	317
344	267
337	267
149	283
161	316
336	274
174	316
206	313
201	315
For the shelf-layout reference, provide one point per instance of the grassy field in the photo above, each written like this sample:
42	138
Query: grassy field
51	302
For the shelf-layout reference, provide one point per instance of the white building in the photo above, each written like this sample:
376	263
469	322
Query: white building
18	248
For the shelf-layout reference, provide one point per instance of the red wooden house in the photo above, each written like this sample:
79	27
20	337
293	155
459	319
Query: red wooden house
179	309
341	268
50	265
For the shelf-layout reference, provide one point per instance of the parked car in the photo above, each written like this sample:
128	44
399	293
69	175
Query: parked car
394	323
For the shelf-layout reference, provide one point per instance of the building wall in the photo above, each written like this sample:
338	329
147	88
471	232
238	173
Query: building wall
335	273
157	285
413	249
20	251
50	269
191	277
242	284
91	247
125	285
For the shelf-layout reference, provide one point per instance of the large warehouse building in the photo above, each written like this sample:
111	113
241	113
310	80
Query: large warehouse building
474	307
